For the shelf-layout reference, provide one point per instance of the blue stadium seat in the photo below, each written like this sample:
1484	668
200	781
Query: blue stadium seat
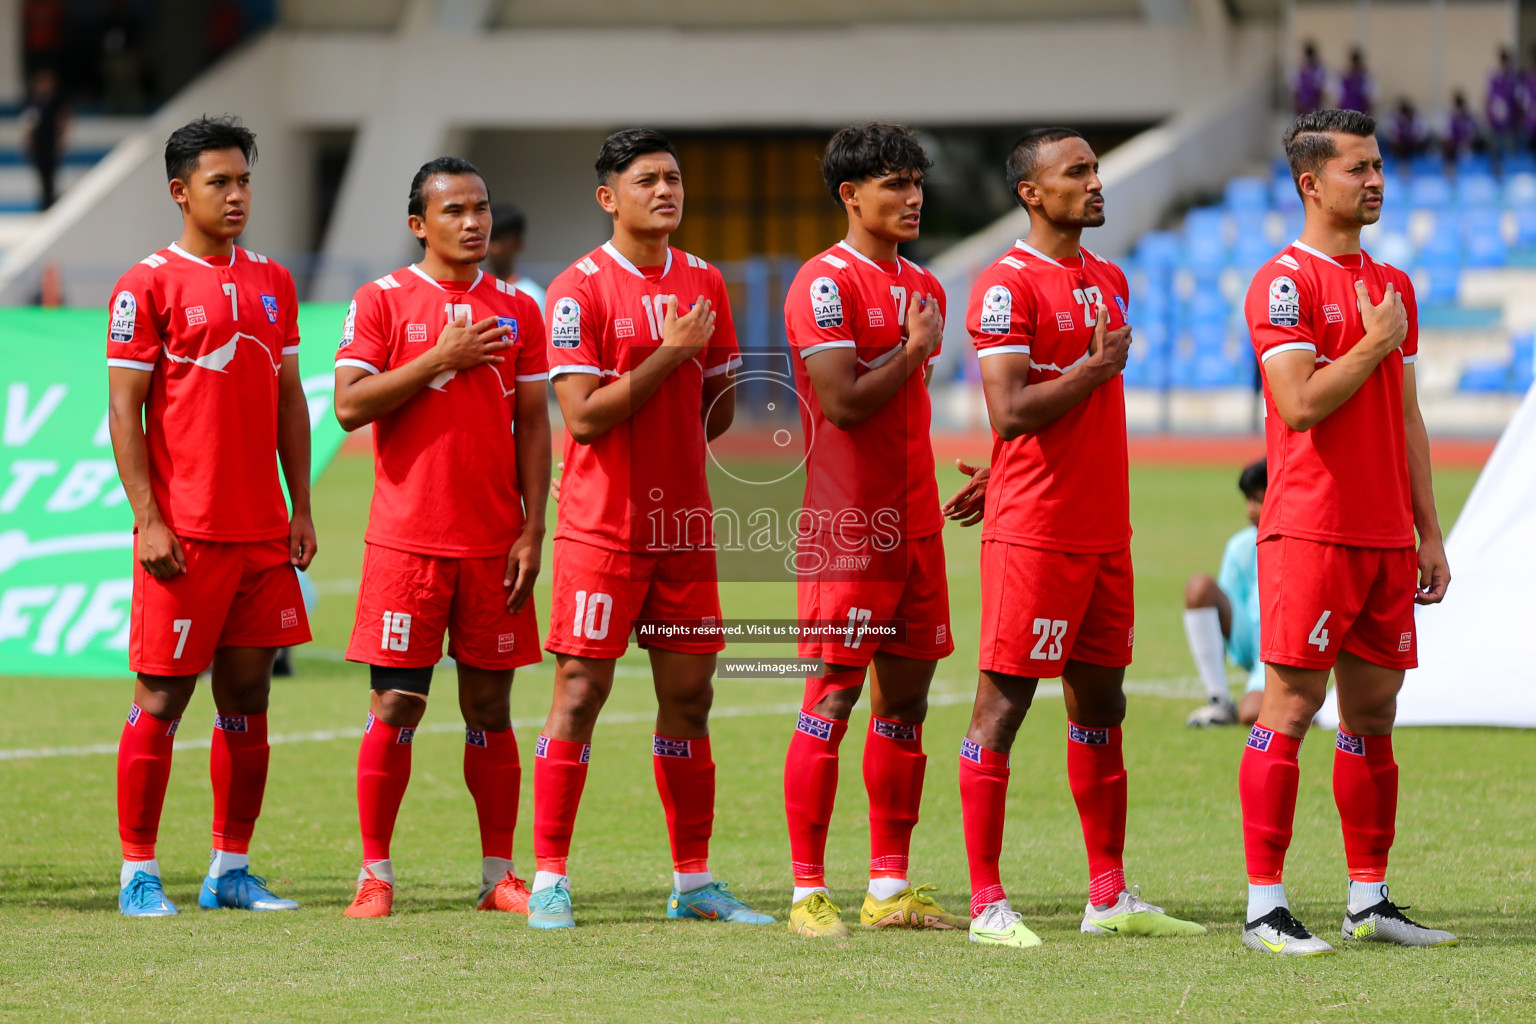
1250	253
1437	279
1158	254
1444	242
1520	190
1485	377
1426	165
1426	192
1523	366
1482	236
1525	224
1474	163
1521	162
1248	194
1477	190
1282	194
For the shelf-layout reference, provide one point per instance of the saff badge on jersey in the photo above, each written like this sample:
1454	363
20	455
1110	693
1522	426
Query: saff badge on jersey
996	310
826	303
565	325
124	313
1284	303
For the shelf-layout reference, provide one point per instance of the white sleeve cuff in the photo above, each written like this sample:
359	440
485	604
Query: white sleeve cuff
1410	359
725	367
525	377
811	350
1002	350
555	371
290	350
359	364
131	364
1290	346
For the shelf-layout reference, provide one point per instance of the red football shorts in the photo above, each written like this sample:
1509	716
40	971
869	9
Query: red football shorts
233	594
1041	609
905	588
600	596
407	601
1316	599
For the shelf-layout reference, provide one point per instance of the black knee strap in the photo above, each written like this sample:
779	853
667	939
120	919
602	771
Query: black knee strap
411	680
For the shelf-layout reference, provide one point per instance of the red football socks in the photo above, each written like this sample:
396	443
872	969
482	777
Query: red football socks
893	776
983	803
1267	782
559	774
383	772
494	775
143	771
1096	772
1365	789
685	778
810	787
238	767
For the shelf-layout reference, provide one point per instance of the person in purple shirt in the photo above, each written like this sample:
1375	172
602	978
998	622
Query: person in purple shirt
1504	104
1405	132
1525	98
1462	134
1356	90
1310	80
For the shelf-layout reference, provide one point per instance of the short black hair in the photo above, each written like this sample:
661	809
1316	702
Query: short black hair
507	219
1309	139
1023	159
416	205
871	149
623	148
206	134
1254	479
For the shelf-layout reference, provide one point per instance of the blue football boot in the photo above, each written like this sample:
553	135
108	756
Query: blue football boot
238	889
144	896
713	902
550	907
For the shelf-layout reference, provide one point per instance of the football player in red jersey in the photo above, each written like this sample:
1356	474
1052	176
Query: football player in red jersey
447	363
1049	321
641	354
203	376
866	324
1337	335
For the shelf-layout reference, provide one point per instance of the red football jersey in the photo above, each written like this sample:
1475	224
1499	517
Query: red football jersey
445	463
875	479
1345	481
1066	486
213	334
641	486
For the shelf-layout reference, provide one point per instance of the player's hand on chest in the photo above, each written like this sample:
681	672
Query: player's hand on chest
881	323
1067	317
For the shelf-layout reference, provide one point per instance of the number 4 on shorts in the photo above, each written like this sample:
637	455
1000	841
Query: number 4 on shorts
1319	636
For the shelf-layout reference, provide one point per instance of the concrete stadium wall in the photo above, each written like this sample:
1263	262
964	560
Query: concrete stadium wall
384	85
121	210
1415	49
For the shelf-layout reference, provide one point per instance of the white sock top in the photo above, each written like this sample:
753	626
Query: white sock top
1202	628
885	888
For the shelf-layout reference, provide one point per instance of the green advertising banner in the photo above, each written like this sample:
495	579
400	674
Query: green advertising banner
66	531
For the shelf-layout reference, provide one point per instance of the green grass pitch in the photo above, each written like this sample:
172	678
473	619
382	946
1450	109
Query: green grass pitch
1464	854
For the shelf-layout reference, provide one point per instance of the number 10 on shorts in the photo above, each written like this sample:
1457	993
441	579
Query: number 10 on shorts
593	612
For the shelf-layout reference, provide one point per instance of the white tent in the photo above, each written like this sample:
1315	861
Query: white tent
1477	649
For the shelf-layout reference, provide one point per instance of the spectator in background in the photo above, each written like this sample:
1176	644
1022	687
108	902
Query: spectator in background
42	35
1462	134
1356	90
1310	82
1503	105
43	122
1406	134
506	244
1525	97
